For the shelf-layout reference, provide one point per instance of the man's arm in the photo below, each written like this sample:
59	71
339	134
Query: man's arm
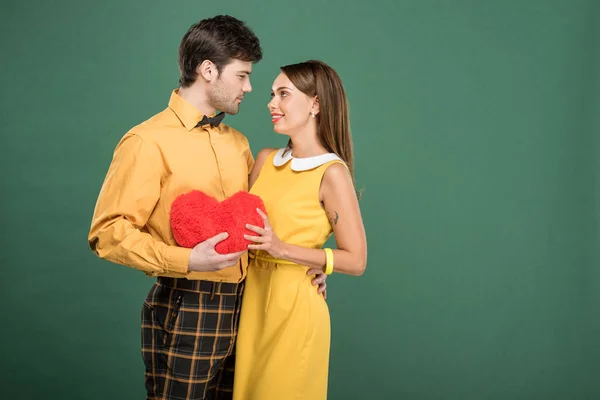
249	158
130	192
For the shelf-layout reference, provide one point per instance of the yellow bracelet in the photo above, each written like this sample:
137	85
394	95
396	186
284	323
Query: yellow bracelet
329	264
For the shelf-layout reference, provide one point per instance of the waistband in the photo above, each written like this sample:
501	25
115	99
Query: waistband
274	260
200	286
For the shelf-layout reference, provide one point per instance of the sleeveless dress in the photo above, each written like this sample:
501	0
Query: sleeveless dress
284	332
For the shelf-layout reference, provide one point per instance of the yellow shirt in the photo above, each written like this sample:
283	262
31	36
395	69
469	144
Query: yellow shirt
153	163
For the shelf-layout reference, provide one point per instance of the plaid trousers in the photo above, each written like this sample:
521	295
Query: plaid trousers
189	330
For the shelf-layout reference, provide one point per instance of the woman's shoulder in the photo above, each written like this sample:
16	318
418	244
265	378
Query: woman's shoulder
263	154
261	158
336	170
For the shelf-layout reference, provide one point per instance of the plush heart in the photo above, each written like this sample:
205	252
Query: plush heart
196	217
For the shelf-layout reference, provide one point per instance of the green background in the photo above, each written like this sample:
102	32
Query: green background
476	129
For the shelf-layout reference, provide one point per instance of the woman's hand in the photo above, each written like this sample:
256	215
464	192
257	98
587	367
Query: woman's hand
267	240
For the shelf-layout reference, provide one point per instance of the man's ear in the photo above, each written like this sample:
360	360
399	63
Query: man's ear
207	70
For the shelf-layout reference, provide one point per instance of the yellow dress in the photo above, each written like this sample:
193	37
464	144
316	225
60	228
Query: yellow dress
284	332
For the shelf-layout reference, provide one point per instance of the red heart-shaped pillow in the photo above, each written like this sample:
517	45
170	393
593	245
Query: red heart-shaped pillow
196	217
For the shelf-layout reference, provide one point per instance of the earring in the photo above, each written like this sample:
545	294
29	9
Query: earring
312	114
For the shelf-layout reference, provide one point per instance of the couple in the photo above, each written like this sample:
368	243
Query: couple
193	313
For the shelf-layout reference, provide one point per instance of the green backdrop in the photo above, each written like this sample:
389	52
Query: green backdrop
476	129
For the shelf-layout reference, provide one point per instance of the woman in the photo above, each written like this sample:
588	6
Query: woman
308	191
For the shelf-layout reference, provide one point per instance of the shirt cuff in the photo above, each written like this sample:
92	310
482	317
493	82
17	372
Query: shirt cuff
177	259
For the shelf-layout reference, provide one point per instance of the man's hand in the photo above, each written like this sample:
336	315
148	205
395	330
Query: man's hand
320	279
204	257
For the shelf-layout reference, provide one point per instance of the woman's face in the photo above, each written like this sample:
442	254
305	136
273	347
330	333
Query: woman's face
290	108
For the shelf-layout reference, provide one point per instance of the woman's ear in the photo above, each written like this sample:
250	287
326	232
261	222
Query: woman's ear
315	107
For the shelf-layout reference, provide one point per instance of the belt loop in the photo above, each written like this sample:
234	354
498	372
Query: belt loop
212	290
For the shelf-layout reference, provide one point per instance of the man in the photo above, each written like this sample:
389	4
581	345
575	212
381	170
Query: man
190	315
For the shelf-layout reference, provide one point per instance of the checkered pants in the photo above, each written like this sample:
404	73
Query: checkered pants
188	339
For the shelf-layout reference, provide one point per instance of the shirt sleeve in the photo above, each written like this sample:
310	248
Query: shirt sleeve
250	158
129	193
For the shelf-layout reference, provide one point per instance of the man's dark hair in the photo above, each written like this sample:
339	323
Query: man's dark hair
218	39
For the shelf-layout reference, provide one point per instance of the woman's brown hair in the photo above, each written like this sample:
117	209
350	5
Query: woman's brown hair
315	78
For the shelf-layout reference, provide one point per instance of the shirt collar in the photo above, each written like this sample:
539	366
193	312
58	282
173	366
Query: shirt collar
185	111
302	164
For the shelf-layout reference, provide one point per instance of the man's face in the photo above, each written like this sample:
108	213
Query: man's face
230	86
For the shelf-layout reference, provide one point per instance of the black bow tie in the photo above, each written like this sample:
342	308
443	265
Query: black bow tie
214	121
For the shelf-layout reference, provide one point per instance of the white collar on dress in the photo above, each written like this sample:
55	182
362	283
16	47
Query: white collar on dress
302	164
